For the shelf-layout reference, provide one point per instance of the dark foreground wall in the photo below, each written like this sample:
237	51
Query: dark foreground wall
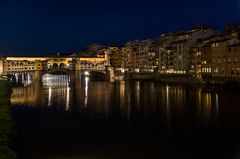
6	122
172	78
232	82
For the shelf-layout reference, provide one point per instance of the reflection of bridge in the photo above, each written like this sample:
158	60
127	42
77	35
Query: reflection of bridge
38	66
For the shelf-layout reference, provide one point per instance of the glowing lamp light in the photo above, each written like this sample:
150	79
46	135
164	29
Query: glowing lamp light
86	73
122	70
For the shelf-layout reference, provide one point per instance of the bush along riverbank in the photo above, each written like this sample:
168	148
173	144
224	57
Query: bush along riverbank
7	133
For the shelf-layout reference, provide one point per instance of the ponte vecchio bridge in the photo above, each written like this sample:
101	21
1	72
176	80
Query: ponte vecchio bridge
38	66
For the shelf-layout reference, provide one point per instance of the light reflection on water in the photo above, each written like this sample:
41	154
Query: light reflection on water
25	79
86	91
132	101
168	111
56	88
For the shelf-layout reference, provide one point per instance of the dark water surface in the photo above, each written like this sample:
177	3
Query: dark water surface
100	120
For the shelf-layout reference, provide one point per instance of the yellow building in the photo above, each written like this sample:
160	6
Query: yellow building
19	64
220	58
90	63
1	67
139	56
233	61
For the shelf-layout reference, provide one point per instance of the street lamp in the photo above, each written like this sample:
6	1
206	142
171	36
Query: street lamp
86	73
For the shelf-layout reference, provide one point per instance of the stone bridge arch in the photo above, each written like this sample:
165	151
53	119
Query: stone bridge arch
57	71
55	66
62	65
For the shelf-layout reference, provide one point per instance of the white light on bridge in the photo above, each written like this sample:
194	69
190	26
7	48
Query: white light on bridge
122	70
86	73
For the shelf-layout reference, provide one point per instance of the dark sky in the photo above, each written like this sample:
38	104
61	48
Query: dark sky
38	27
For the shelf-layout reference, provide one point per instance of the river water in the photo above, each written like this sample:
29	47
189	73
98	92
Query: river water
57	118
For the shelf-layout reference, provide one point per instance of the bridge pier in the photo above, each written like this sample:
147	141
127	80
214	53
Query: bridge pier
75	76
110	74
37	76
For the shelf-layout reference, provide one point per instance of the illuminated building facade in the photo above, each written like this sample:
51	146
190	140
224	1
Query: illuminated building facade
1	67
220	57
164	56
139	56
180	48
200	52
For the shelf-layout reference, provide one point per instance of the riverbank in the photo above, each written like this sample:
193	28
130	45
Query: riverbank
6	122
185	79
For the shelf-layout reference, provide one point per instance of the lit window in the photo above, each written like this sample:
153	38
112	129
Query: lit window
204	62
199	53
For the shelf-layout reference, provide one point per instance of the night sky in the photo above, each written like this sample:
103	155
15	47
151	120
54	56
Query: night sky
39	27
